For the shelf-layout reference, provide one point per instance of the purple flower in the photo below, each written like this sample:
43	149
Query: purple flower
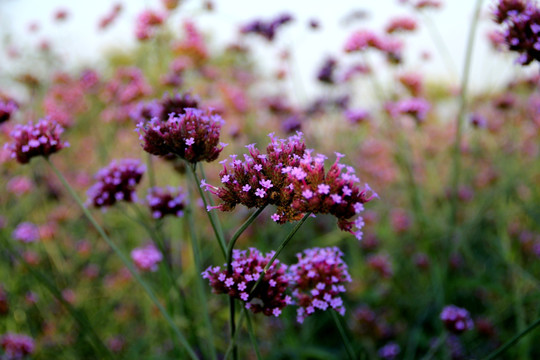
457	320
31	140
147	257
195	127
317	280
7	108
166	201
266	29
16	346
269	297
116	182
418	108
26	232
389	351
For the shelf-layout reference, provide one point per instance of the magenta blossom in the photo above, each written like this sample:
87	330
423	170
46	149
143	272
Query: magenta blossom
147	257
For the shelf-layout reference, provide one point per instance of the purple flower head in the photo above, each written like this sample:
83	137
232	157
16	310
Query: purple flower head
26	232
317	280
200	128
389	351
326	72
356	116
521	28
418	108
266	29
147	22
116	182
177	104
269	297
147	257
16	346
457	320
163	202
7	108
31	140
145	111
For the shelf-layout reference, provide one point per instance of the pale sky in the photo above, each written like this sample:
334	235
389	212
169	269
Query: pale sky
79	41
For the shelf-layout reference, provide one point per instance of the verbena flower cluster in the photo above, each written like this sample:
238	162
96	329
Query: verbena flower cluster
363	40
16	346
193	135
521	20
26	232
147	22
457	320
266	29
166	201
146	258
269	296
7	108
293	180
314	282
116	182
317	279
169	104
31	140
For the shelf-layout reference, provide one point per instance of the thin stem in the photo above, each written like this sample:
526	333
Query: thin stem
512	341
435	347
232	326
200	286
252	336
461	113
239	232
279	249
126	262
150	171
344	338
232	344
213	221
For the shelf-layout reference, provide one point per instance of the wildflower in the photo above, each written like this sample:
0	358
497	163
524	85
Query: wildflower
31	140
269	297
415	107
16	346
26	232
457	320
521	28
163	202
317	280
381	264
147	22
196	127
116	182
147	257
266	29
398	24
389	351
326	72
7	108
356	116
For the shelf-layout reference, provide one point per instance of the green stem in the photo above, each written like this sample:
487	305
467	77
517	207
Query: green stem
461	115
150	170
213	221
279	249
512	341
126	262
344	338
239	232
252	336
232	344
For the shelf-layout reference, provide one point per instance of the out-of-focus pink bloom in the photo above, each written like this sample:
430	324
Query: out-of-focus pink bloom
147	257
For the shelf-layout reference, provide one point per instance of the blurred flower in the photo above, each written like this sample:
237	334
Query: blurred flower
317	279
266	29
61	14
457	320
417	108
7	108
16	346
269	297
116	182
19	185
326	72
401	24
163	202
381	264
147	257
389	351
108	19
31	140
26	232
193	135
356	116
147	22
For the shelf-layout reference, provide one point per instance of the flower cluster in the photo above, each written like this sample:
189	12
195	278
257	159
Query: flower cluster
169	104
7	108
457	320
326	72
147	257
398	24
317	280
362	40
193	135
163	202
521	20
268	297
16	346
290	178
31	140
147	22
266	29
26	232
417	108
116	182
